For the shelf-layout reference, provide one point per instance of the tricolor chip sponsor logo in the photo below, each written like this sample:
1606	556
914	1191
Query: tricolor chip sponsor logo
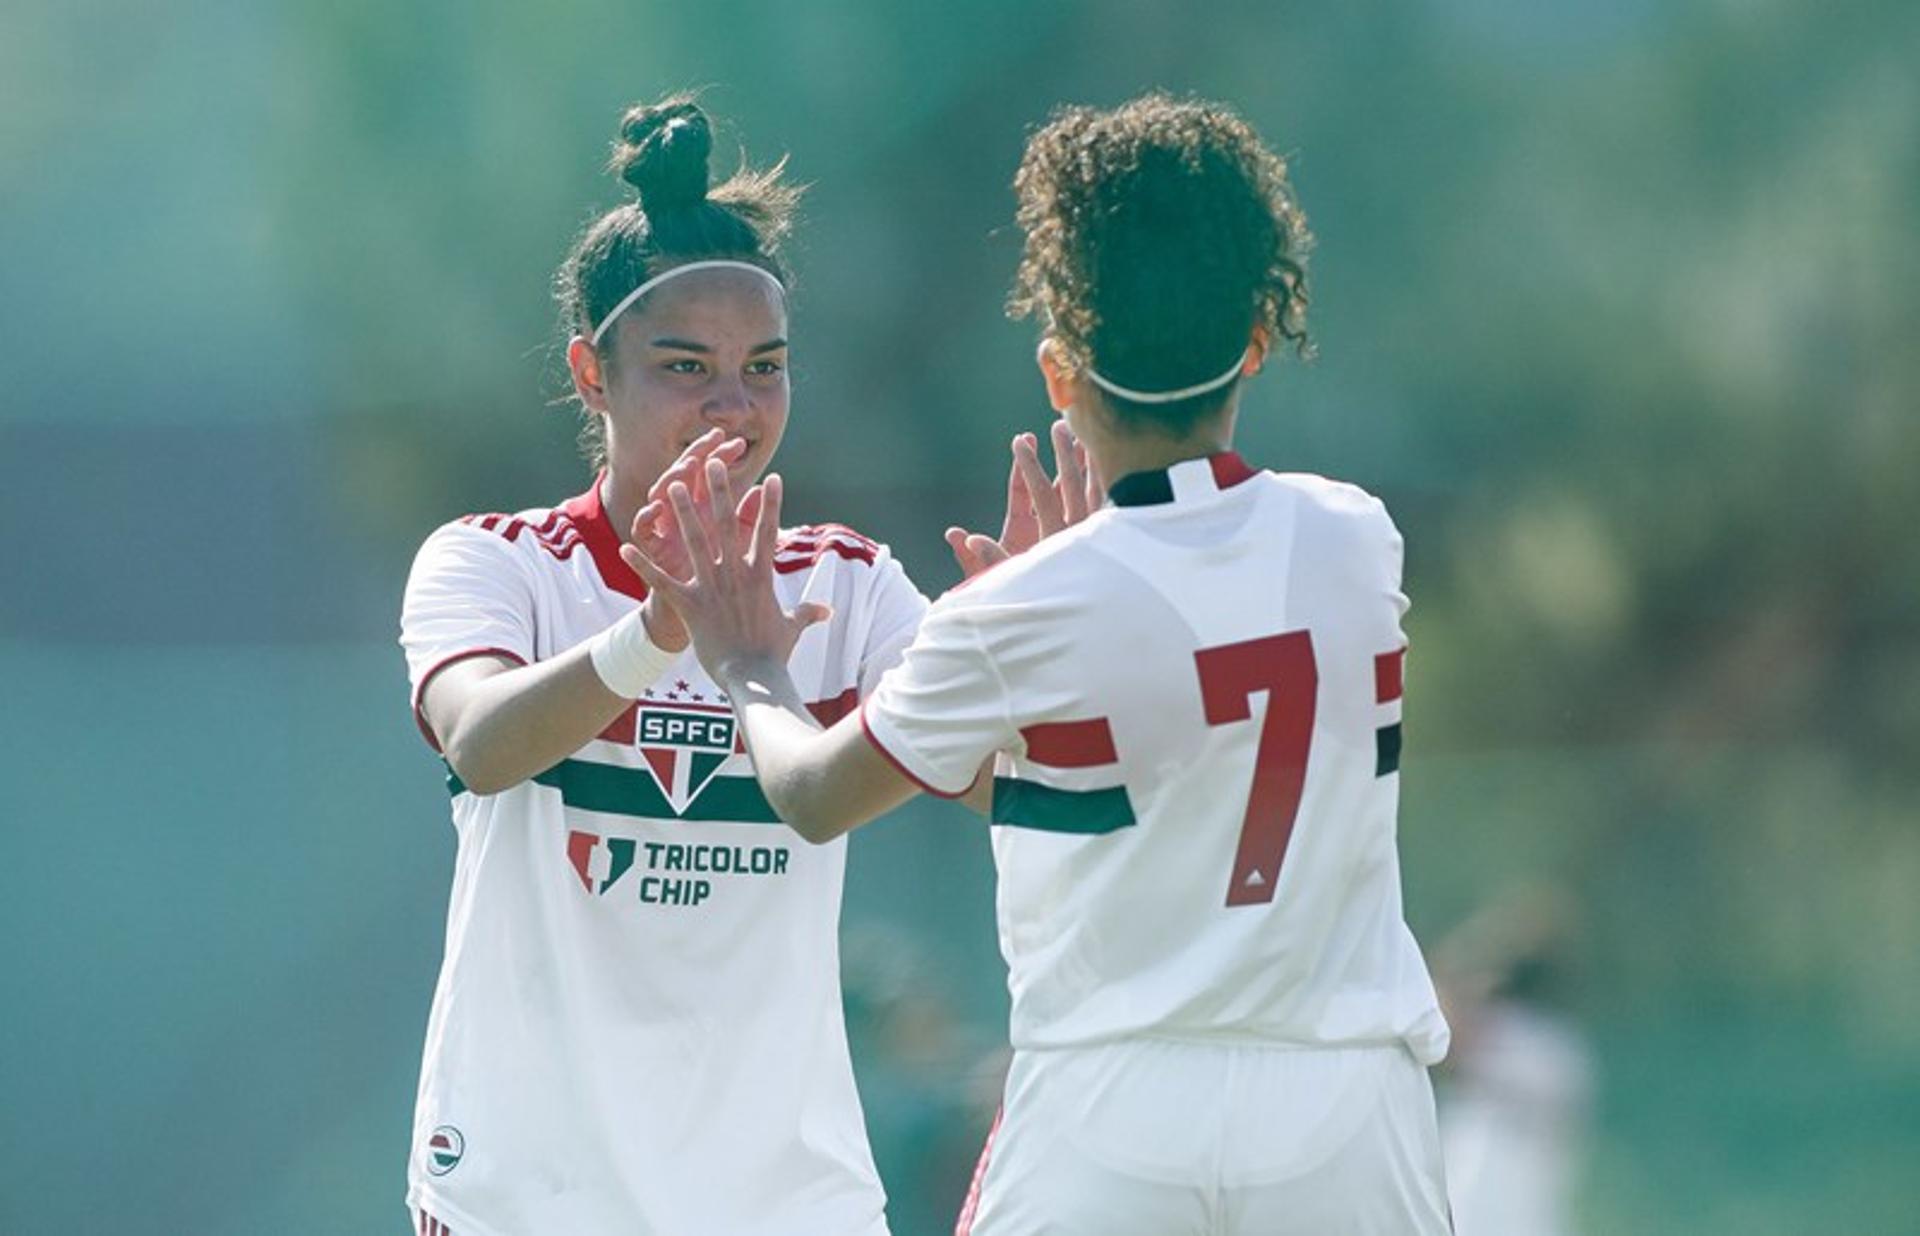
672	873
445	1147
684	748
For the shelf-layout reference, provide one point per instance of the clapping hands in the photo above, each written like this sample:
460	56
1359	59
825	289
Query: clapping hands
720	583
1036	507
656	526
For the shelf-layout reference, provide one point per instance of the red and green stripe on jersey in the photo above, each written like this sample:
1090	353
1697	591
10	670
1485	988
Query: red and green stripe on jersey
1090	798
1389	675
679	775
1280	666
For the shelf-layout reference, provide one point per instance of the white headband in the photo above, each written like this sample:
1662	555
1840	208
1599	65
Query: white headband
665	275
1185	392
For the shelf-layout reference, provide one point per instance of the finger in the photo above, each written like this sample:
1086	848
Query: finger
683	468
692	530
1019	504
644	520
807	613
720	508
730	452
698	477
748	512
968	562
1072	480
1046	503
1016	479
655	576
987	551
766	527
657	532
681	472
746	535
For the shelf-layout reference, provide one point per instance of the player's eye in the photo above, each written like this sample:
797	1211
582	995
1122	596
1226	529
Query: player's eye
685	365
765	368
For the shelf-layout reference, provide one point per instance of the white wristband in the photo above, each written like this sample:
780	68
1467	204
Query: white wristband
626	659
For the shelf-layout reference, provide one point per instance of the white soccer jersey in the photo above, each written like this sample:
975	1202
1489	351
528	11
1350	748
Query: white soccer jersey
1196	694
637	1027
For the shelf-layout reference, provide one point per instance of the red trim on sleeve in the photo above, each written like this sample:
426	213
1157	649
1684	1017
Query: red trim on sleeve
904	771
1388	672
420	692
1071	744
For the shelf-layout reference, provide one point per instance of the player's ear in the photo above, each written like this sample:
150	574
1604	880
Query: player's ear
1060	382
589	374
1257	345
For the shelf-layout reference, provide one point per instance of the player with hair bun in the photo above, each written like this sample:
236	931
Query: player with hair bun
1220	1021
637	1027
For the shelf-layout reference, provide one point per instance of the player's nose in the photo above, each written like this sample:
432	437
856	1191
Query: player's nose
728	405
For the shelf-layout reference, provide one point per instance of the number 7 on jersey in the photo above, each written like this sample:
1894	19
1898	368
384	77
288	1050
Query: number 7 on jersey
1283	667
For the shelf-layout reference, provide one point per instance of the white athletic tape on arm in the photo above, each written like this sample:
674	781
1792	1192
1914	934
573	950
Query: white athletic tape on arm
627	659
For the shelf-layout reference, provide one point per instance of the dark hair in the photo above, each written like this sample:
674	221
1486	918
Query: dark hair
1158	235
662	152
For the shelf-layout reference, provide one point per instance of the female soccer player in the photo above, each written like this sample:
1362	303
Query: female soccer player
637	1027
1220	1021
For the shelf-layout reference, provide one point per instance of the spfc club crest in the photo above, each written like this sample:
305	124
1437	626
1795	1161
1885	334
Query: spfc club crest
684	746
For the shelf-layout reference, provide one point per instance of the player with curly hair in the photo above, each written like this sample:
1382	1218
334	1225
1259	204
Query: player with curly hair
1221	1023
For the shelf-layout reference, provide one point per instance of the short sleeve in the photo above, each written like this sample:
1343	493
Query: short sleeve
468	595
898	608
943	710
1394	549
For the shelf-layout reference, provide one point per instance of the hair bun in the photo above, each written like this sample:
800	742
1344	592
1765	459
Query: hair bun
662	152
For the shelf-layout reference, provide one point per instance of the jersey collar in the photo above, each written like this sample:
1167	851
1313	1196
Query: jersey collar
590	517
1185	481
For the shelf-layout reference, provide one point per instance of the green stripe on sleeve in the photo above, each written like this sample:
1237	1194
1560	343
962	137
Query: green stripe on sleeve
1028	804
1387	748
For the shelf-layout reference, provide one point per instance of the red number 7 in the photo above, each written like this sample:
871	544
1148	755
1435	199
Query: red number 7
1283	667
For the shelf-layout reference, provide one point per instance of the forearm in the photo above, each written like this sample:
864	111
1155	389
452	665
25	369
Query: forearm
779	732
522	721
500	724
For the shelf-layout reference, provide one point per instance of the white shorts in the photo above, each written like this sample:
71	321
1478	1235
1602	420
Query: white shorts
1183	1139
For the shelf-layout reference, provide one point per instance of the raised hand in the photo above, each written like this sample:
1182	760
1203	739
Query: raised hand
1036	507
656	529
726	597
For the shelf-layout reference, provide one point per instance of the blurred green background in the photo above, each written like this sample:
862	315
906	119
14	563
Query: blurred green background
1615	306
